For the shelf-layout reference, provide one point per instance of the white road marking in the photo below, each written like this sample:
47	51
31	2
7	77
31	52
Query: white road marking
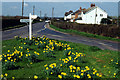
42	29
55	35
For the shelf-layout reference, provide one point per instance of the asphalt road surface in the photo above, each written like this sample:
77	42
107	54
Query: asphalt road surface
40	29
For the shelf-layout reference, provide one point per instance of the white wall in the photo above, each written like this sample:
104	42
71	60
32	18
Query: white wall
98	18
89	18
67	17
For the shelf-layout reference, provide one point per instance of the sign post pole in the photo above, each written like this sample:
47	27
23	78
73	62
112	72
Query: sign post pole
31	18
30	26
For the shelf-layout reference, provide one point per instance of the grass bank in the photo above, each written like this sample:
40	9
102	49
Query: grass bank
84	34
46	58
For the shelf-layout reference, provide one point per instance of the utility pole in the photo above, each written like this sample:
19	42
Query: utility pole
22	7
52	12
33	9
40	14
45	16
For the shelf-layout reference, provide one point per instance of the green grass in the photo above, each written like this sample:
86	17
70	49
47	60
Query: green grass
84	34
94	58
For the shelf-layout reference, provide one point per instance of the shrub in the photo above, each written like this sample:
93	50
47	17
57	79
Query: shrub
104	30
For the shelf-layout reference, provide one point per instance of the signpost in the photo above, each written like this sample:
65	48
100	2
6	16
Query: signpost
31	18
24	20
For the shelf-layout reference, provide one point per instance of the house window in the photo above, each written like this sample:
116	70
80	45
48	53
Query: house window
101	15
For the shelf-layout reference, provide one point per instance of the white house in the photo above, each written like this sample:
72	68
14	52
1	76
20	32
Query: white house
68	15
92	15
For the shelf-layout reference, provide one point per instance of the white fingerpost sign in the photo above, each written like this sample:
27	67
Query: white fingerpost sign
24	20
31	17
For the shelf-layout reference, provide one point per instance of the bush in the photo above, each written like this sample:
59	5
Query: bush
104	30
105	21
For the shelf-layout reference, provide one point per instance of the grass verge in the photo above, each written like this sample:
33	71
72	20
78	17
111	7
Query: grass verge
84	34
104	61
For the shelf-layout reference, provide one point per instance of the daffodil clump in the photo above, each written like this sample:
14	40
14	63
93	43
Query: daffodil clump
71	59
3	76
65	68
115	62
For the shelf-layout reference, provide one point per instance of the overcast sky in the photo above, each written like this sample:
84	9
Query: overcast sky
14	8
61	0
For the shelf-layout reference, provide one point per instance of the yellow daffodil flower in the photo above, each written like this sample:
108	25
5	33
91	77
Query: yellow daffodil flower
46	68
35	77
8	50
6	74
60	76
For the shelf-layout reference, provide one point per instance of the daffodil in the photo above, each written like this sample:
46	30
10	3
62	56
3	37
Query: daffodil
89	76
73	70
35	77
111	59
78	76
51	73
100	75
45	65
117	63
11	60
60	64
13	78
81	74
70	70
74	75
6	74
4	55
8	50
93	72
46	68
0	59
97	74
63	73
114	73
82	70
60	76
5	60
26	55
1	75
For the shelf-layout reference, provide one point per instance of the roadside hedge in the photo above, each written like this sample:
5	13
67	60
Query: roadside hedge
104	30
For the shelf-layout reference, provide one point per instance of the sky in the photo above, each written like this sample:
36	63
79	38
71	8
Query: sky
15	8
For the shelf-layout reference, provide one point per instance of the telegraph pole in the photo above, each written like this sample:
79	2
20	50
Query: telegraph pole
22	7
40	14
33	10
52	12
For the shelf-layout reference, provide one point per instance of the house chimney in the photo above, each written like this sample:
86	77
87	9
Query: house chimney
80	8
92	5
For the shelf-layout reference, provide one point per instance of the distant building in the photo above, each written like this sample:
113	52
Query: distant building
92	15
68	15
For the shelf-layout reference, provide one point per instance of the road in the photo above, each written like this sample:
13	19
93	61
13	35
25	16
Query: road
40	29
